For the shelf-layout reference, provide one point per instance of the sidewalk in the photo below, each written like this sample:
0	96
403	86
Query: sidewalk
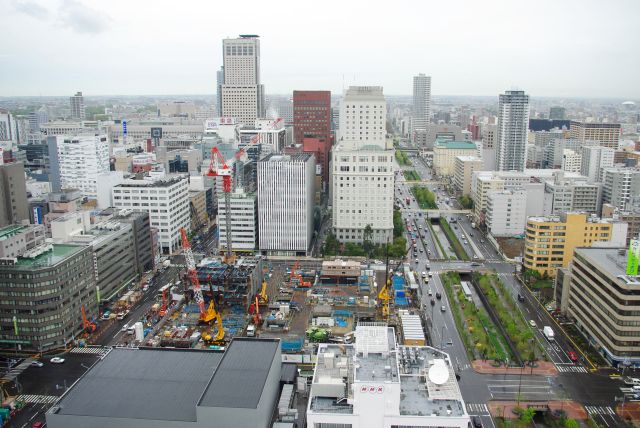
544	368
505	408
631	410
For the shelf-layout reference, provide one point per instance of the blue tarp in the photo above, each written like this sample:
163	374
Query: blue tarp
341	322
398	282
401	301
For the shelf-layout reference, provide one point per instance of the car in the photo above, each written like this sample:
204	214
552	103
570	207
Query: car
430	274
37	363
39	424
520	298
443	308
477	423
470	234
550	308
421	250
573	356
416	261
533	324
482	241
433	302
476	264
475	257
438	296
430	292
120	316
125	327
465	242
424	274
57	360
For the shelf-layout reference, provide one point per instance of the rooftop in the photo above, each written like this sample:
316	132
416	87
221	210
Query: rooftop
11	230
297	157
165	181
611	261
456	145
50	258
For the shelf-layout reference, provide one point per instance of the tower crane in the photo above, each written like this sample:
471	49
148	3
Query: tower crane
210	313
219	168
384	295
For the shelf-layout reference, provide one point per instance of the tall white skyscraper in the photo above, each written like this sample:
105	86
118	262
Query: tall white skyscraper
421	102
242	93
513	123
77	106
286	190
594	160
80	160
362	168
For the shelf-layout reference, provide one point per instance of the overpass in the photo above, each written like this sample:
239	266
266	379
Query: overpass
424	182
433	212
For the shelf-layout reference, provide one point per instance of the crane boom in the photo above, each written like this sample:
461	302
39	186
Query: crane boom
191	271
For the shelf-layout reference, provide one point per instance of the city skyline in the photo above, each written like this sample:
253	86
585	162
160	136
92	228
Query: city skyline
150	59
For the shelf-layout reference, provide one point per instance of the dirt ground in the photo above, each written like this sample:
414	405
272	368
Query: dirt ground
511	247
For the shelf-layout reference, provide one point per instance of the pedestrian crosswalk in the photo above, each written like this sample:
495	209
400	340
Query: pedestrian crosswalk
95	350
477	408
600	410
17	370
571	369
37	399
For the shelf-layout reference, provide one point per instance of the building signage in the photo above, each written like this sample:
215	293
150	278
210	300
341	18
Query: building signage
37	217
124	128
633	257
156	133
372	389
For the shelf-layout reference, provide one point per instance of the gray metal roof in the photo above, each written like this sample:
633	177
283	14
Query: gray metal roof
143	384
241	375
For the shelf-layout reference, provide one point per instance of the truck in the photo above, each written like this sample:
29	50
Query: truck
251	330
548	332
473	225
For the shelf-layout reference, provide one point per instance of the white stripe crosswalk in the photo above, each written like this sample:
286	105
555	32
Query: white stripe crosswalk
95	350
571	369
477	408
600	410
38	399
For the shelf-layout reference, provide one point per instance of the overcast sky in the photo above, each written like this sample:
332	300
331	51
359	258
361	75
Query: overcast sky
563	48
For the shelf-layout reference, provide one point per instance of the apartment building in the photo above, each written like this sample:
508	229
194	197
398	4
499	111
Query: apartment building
603	298
16	239
445	153
571	161
571	193
13	194
513	123
506	212
594	160
619	185
167	202
464	167
550	241
606	134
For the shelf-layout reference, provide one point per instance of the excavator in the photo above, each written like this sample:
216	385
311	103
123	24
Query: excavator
89	326
219	337
385	294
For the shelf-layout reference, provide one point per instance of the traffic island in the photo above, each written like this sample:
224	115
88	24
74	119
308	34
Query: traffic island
555	410
542	368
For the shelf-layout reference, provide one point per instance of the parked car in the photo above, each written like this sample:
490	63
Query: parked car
125	327
57	360
533	324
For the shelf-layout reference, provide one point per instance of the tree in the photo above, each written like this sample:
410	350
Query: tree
571	423
367	240
466	202
331	245
528	414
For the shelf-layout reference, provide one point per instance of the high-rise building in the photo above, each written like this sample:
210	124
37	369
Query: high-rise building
489	138
362	169
76	103
80	160
556	113
286	191
603	300
606	134
550	241
219	83
13	194
619	185
506	212
594	160
464	167
571	161
513	122
8	131
242	92
244	225
363	112
167	202
312	125
421	103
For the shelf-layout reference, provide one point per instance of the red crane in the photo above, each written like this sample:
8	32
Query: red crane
193	274
88	326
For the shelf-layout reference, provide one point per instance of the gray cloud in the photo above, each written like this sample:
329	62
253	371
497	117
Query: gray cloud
32	9
83	19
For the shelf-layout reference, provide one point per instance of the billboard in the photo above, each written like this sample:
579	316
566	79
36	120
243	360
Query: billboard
633	257
124	128
156	133
37	215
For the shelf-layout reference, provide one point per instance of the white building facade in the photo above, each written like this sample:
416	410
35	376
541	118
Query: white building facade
507	212
421	103
464	167
571	161
594	159
244	231
445	153
286	190
167	202
513	125
82	159
363	116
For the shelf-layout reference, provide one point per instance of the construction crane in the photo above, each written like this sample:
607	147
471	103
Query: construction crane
210	313
89	327
384	295
218	168
263	297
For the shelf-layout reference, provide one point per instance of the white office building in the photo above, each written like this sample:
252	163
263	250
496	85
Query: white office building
595	159
242	95
507	212
421	103
167	202
363	115
76	103
244	229
513	125
81	160
8	130
619	185
286	190
464	167
571	161
376	383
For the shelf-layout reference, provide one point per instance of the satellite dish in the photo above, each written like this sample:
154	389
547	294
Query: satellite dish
438	373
